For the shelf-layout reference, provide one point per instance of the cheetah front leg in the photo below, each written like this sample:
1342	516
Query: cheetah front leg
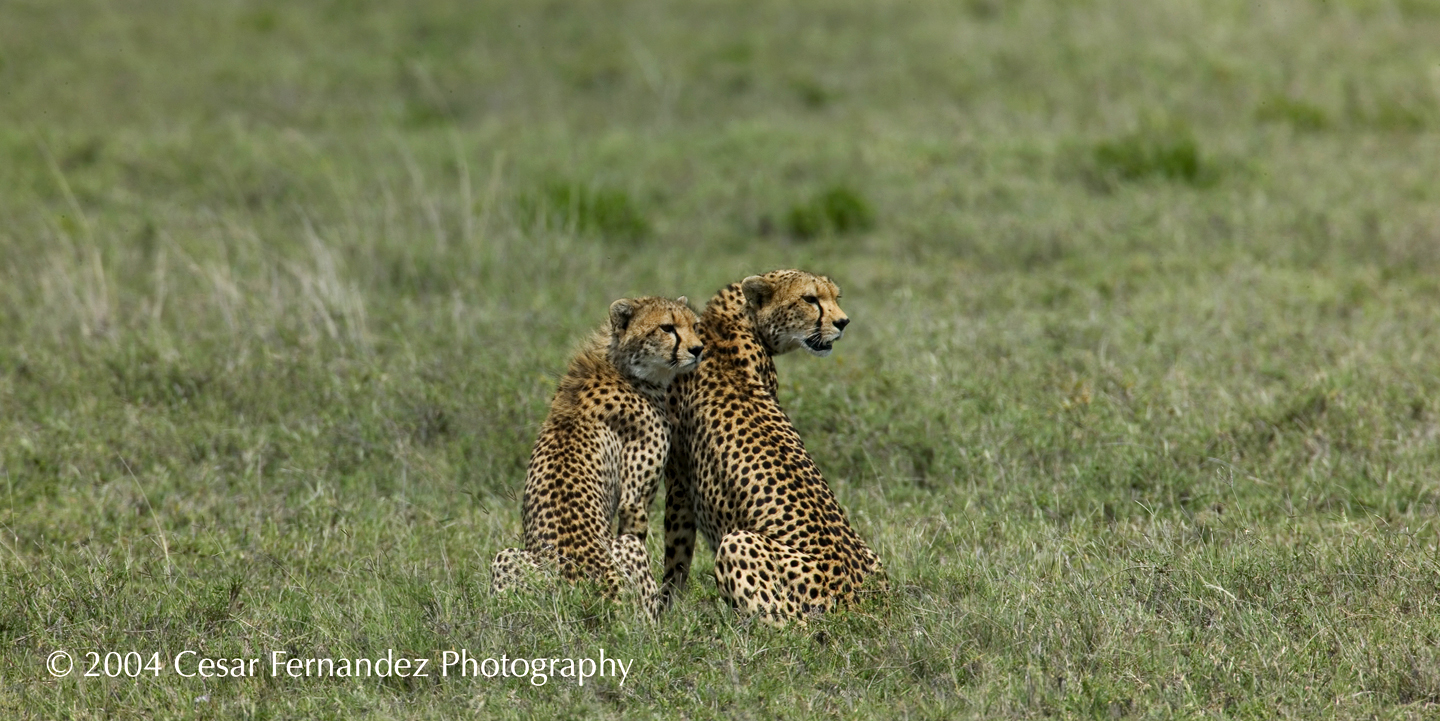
679	527
760	576
633	564
644	460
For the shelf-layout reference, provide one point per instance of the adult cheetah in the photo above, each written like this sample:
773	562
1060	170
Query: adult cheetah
739	472
601	450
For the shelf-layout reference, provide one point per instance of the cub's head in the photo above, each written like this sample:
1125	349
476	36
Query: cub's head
654	338
794	309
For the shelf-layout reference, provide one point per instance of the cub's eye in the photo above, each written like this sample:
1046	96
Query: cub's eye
811	299
668	328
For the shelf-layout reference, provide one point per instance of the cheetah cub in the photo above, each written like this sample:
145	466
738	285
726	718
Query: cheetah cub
738	472
601	450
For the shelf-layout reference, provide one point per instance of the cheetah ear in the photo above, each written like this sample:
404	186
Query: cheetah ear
757	290
684	301
621	311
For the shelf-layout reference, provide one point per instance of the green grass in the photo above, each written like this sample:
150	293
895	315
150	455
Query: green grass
836	211
1139	405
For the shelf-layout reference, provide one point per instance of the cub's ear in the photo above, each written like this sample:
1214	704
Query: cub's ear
757	290
684	301
621	311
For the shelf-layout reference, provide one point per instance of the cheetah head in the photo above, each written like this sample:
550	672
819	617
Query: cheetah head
654	338
795	309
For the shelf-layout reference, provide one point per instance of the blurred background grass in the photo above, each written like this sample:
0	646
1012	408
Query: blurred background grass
1138	406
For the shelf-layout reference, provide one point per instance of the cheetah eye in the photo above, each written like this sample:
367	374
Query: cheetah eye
668	328
811	299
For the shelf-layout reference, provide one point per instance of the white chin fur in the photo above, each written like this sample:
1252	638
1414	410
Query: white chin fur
659	375
819	352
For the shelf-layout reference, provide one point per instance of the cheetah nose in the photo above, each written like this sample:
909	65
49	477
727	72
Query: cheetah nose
841	323
696	350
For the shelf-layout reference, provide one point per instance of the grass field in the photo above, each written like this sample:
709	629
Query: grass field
1139	405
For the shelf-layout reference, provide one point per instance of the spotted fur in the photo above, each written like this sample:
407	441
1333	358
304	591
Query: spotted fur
738	471
600	452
